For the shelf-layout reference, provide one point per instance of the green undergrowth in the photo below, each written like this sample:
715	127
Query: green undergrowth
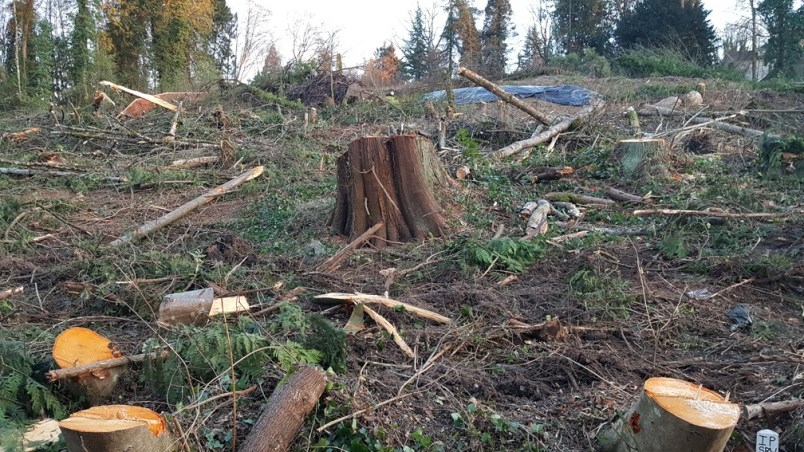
602	290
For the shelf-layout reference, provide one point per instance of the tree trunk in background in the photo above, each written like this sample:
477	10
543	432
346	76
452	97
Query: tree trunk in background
390	181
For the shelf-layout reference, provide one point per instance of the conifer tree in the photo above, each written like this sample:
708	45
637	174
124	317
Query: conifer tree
467	33
785	25
496	30
82	38
415	48
581	24
683	26
224	31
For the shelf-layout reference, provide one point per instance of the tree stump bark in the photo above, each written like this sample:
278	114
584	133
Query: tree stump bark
392	181
284	414
642	158
674	415
116	428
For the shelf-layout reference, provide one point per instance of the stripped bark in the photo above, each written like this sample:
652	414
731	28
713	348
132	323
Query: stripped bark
335	261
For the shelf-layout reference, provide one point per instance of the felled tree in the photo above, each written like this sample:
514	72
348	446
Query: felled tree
392	181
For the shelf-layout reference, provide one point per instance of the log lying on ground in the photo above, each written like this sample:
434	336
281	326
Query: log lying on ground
148	97
44	172
549	331
507	97
334	262
709	213
673	415
194	162
537	223
771	409
619	195
717	124
551	173
552	131
197	307
115	428
20	136
284	413
387	302
184	209
578	199
393	181
79	346
642	157
8	293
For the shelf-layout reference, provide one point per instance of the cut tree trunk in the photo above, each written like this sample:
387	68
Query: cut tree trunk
642	157
284	413
197	307
505	96
79	346
393	181
674	415
116	428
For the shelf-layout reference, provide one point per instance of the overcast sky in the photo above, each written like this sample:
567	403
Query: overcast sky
363	25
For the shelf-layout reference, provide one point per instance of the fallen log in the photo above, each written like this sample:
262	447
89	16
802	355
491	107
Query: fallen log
619	195
194	162
20	136
708	213
34	172
607	231
335	261
97	366
148	97
507	97
8	293
771	409
552	131
578	199
551	173
284	413
184	209
387	302
537	223
673	415
706	121
114	428
197	307
549	331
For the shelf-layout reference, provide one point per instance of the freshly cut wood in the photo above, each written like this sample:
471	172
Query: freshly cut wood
148	97
41	435
197	307
334	262
174	125
194	162
549	331
393	181
79	346
507	97
184	209
642	157
577	199
391	329
284	413
139	107
463	172
116	428
619	195
387	302
674	415
551	173
69	372
527	210
537	223
708	213
20	136
8	293
551	132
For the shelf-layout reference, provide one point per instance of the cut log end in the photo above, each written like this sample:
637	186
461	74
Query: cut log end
116	428
79	346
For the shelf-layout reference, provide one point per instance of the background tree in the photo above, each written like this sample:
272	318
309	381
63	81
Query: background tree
785	25
83	39
222	37
415	48
497	28
682	26
581	24
538	44
467	34
384	69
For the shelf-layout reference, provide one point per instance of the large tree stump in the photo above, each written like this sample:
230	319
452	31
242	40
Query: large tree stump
392	181
284	414
116	428
674	415
79	346
643	158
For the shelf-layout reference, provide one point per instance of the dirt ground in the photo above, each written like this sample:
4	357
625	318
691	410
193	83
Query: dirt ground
631	305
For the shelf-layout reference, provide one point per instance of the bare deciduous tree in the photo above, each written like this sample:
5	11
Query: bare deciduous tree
253	42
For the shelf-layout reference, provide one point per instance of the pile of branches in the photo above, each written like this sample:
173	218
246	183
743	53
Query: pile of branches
317	90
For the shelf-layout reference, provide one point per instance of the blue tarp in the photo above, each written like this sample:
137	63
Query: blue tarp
574	96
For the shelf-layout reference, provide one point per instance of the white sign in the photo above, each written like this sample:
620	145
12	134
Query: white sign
767	441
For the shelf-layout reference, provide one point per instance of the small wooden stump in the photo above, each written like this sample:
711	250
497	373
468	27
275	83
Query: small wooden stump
197	307
116	428
642	158
674	415
393	181
79	346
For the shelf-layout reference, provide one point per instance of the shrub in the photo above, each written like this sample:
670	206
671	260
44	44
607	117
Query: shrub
661	62
587	62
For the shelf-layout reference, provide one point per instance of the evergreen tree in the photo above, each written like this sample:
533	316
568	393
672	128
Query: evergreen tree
416	48
467	33
127	28
41	69
531	56
449	35
496	30
581	24
680	25
785	25
82	39
224	31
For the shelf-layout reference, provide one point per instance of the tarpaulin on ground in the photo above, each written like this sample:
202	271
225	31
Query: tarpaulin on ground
570	95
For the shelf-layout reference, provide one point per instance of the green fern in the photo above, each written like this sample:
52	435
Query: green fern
505	253
20	394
